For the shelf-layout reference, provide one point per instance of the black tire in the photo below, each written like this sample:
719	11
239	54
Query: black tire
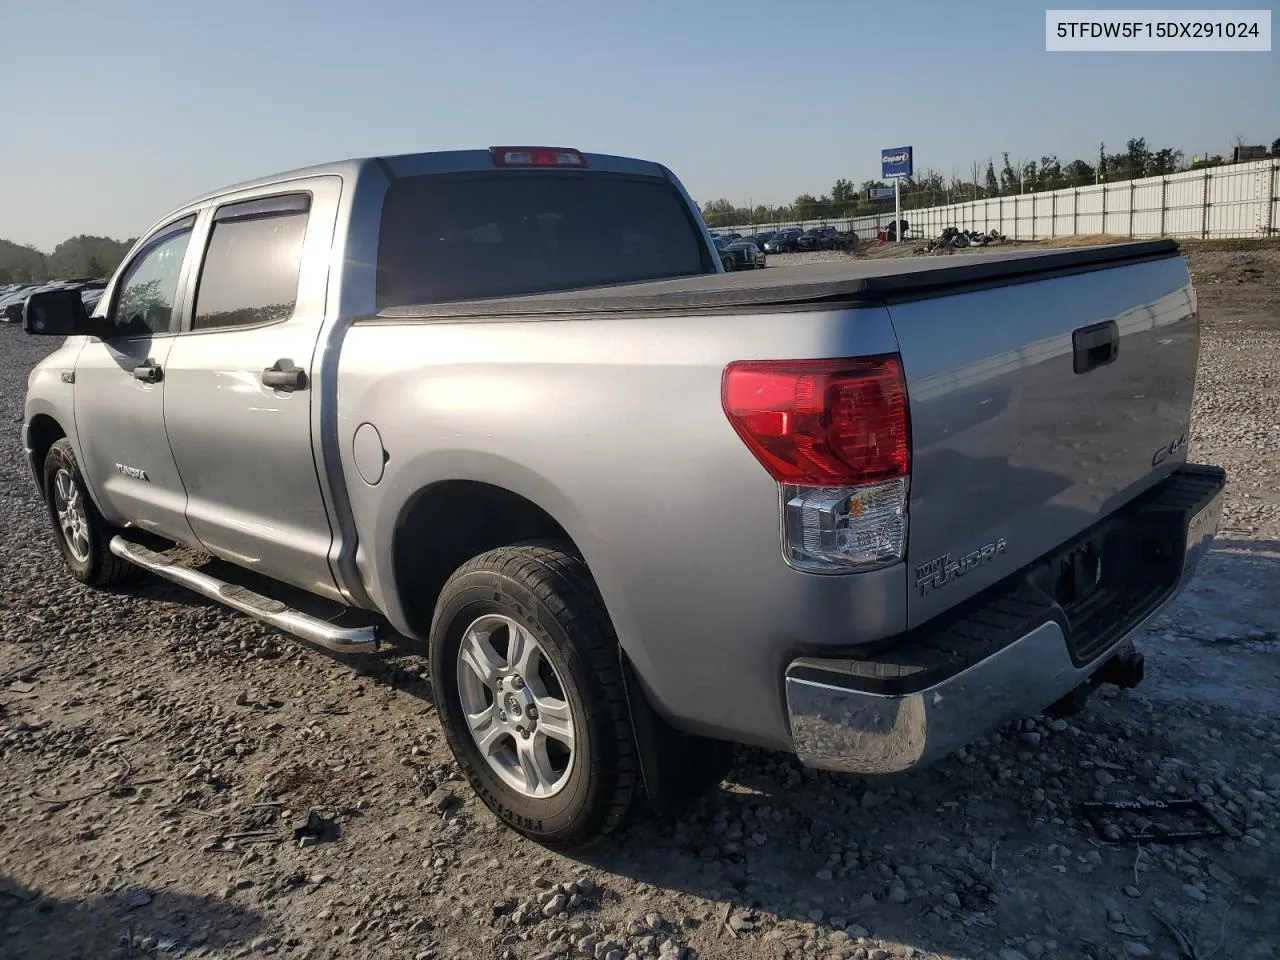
97	566
548	590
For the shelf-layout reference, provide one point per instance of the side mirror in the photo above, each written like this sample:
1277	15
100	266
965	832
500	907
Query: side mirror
55	313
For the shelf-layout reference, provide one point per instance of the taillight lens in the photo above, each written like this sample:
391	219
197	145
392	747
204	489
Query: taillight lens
835	435
821	422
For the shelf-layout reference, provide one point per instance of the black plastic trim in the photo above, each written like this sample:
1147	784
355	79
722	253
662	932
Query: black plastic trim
836	285
1095	346
278	205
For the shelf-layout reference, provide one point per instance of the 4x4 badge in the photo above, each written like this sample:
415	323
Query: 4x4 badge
1169	450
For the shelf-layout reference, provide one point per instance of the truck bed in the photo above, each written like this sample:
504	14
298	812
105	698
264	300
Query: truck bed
832	285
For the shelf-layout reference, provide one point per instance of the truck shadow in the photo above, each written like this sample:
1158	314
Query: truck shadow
400	663
130	922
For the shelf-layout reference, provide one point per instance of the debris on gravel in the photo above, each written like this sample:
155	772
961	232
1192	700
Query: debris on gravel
181	781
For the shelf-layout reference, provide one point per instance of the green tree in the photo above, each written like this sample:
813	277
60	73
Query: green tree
807	207
992	184
1275	147
722	213
1030	176
1077	173
1165	161
1051	177
844	194
1009	183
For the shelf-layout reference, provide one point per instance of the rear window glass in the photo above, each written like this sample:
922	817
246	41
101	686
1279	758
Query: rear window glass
508	233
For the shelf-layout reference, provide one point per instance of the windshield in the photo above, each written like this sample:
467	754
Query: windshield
507	233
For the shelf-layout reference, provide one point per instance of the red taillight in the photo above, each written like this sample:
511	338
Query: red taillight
537	157
822	423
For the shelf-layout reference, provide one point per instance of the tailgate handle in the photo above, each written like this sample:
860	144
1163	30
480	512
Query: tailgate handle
1095	346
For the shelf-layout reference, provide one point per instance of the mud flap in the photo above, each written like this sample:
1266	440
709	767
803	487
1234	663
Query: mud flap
677	768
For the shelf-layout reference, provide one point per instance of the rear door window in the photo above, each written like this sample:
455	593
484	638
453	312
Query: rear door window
250	272
506	233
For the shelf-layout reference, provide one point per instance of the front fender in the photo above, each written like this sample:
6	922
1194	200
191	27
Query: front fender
51	394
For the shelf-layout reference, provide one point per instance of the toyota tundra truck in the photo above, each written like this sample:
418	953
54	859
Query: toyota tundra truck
507	404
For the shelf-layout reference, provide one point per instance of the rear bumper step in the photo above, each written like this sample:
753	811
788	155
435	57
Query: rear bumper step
277	614
1012	652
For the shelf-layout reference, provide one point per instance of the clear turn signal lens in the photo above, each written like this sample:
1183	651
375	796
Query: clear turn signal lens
842	529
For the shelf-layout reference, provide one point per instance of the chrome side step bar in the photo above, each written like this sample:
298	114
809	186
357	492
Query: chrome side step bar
279	615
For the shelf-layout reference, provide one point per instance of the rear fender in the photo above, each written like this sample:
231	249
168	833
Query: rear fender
376	556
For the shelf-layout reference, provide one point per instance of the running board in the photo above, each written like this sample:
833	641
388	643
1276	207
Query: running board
279	615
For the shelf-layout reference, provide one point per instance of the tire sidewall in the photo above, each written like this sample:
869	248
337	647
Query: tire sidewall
59	458
475	595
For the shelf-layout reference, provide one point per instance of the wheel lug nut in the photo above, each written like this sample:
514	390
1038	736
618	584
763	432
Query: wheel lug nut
517	681
502	717
533	713
525	734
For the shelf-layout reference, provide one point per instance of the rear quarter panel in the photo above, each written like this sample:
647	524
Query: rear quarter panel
614	427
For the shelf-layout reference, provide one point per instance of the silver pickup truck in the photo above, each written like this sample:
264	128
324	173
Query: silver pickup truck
507	403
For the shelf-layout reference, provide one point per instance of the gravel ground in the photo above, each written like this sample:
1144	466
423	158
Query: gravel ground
161	759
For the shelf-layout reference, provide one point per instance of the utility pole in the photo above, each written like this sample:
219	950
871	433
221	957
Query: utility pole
897	209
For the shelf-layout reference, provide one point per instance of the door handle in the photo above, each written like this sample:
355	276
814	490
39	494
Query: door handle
283	375
1095	346
148	371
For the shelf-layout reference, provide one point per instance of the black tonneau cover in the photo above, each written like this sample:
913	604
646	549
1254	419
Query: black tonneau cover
807	286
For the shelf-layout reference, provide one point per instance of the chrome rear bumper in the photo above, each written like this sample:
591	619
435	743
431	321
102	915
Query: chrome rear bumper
835	728
837	723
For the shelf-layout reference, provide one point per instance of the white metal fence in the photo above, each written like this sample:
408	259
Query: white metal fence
1238	200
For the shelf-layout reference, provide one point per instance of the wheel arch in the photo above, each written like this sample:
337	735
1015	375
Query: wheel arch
446	523
43	431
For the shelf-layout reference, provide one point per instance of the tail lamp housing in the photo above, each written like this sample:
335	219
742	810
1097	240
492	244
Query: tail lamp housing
835	435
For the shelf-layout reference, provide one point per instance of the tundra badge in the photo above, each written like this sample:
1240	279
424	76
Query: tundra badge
940	571
133	472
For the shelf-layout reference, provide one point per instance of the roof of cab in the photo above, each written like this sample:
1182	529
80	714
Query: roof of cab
416	164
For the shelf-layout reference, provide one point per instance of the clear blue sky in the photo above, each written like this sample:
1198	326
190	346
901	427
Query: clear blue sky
115	112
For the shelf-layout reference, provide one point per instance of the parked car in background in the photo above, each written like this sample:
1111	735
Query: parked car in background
818	238
760	239
12	300
747	254
15	293
846	240
784	241
11	306
722	248
739	254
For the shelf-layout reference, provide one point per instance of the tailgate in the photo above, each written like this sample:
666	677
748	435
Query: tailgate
1038	407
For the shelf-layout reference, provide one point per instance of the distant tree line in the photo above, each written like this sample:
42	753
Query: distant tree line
83	256
929	188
